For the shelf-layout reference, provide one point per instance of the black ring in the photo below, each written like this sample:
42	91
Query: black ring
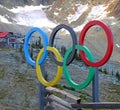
74	39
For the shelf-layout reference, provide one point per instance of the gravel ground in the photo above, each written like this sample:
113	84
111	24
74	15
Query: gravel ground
19	88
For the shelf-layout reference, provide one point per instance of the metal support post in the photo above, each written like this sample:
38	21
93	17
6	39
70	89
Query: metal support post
42	93
95	87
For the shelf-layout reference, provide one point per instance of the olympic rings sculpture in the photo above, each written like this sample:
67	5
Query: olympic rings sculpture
69	55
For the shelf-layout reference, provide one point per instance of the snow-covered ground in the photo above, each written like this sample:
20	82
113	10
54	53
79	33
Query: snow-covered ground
78	13
4	20
32	16
97	12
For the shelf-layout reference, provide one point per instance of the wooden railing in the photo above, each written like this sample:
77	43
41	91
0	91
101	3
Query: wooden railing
56	103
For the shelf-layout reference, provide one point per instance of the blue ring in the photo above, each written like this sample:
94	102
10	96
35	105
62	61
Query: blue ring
26	52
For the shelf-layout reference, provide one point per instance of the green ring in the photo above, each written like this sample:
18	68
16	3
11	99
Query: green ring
91	69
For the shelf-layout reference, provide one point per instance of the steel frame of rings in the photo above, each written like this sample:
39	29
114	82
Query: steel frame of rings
69	55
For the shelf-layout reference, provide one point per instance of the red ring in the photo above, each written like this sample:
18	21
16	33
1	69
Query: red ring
109	38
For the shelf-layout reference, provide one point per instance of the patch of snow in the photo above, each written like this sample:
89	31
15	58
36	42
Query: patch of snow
59	9
4	20
118	45
113	23
80	10
32	16
112	17
97	12
55	13
27	8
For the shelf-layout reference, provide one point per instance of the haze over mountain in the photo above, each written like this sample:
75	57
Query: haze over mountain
20	16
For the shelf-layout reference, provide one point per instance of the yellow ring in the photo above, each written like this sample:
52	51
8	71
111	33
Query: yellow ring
59	68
